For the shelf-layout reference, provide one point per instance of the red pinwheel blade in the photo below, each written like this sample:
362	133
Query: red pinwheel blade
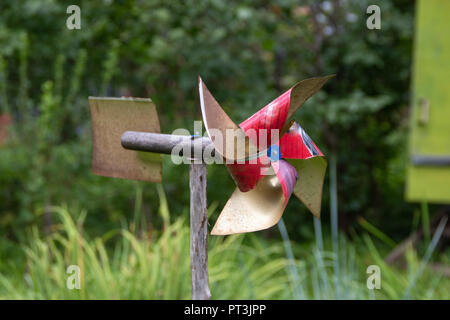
296	144
310	163
246	175
274	116
270	118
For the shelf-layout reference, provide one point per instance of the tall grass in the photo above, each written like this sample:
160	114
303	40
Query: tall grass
155	265
134	263
121	265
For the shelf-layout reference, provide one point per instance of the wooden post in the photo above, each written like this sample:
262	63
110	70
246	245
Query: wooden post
164	143
199	232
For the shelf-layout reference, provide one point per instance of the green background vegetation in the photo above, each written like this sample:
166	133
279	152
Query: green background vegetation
54	212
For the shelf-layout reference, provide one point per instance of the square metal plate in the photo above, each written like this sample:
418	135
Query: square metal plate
111	117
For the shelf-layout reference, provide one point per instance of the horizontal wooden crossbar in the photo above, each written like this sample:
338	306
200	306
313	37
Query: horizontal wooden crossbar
164	143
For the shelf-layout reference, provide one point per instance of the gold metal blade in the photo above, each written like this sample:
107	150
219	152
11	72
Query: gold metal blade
215	118
257	209
311	173
301	92
111	117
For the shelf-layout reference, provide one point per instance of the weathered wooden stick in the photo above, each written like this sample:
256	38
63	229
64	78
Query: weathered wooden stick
199	232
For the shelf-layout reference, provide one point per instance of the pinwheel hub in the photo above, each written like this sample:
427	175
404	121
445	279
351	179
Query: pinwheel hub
274	153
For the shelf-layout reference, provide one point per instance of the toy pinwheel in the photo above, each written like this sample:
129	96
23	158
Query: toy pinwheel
280	166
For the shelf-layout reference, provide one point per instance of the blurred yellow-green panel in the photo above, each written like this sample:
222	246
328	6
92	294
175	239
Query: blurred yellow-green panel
428	176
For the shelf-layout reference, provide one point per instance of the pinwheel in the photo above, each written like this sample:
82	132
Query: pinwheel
266	169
